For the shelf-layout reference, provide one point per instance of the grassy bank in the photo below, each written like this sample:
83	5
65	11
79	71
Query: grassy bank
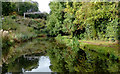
17	30
109	49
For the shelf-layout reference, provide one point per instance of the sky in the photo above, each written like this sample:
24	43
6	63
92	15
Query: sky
44	63
43	5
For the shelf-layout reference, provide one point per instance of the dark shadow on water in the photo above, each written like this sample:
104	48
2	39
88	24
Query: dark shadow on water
119	28
0	36
19	64
65	60
0	70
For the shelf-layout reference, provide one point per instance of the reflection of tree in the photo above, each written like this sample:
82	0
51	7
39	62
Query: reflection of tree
100	65
39	45
58	63
35	46
66	60
22	63
105	65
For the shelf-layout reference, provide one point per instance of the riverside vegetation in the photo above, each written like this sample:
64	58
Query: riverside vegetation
77	37
94	24
16	31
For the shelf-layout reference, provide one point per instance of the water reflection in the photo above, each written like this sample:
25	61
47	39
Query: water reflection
0	70
66	60
33	62
60	58
44	64
28	64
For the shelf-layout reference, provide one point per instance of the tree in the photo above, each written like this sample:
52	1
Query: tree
27	7
7	8
19	7
91	20
55	20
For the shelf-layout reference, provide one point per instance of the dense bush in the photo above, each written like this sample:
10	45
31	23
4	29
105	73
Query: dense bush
40	16
19	30
85	20
13	17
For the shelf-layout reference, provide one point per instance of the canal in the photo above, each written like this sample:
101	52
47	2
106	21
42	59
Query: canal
46	55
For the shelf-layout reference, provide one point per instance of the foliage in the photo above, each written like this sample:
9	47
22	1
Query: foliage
41	15
91	20
13	17
66	59
55	20
19	31
6	43
26	7
7	8
18	7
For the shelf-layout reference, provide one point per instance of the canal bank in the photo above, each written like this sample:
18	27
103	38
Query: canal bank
109	49
37	45
62	58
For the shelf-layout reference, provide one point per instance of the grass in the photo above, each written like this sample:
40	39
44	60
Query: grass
98	42
107	51
63	39
103	47
21	29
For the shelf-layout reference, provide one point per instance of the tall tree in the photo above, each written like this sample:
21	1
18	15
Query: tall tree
6	8
27	7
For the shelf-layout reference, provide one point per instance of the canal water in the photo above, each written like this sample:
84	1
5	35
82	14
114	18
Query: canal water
50	56
43	64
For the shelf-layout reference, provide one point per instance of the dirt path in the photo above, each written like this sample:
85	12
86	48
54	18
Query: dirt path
102	43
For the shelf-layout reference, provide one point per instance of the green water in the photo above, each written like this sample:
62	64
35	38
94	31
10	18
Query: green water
46	55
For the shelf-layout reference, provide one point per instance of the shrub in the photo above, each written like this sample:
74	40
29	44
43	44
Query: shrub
13	17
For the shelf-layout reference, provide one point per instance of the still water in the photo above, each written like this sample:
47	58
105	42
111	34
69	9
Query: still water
46	55
43	65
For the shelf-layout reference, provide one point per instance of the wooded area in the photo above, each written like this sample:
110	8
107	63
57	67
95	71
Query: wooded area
85	20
